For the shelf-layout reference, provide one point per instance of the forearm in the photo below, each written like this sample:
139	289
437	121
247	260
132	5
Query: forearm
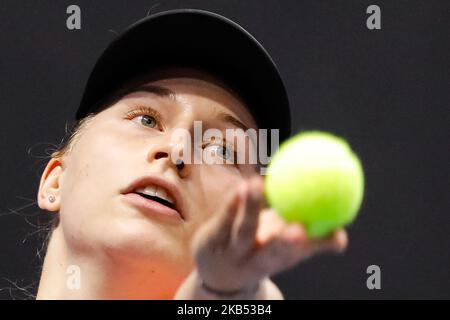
193	289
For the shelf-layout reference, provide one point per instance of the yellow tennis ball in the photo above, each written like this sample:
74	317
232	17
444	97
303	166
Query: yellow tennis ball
315	179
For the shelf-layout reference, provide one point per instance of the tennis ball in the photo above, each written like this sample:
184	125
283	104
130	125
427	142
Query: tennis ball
315	179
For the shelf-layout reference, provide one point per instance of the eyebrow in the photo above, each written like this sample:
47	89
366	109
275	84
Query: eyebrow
157	90
229	118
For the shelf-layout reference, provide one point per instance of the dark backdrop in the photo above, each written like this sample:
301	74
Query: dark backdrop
387	91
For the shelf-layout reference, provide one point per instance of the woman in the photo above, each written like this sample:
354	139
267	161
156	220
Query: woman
135	222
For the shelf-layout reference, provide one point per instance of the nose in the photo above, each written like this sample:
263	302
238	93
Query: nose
161	155
164	152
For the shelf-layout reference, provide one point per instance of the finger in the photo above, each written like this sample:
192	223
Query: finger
270	224
283	250
220	228
336	242
246	223
340	240
293	245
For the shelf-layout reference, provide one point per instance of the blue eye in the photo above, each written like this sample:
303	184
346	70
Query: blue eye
145	116
221	151
148	121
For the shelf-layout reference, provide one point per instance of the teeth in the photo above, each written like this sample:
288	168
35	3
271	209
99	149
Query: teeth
161	193
155	191
149	190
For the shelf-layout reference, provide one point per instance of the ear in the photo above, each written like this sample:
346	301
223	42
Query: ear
49	186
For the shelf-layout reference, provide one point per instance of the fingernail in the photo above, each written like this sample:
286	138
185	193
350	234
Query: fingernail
294	233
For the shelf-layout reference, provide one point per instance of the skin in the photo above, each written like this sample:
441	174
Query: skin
226	239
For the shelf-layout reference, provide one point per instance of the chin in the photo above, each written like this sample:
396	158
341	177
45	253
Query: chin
144	242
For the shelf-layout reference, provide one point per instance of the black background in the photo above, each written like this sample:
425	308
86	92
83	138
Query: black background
386	91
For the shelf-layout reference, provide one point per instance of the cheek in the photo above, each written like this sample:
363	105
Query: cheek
212	186
93	217
94	175
92	169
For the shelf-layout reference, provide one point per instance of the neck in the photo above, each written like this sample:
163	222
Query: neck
66	275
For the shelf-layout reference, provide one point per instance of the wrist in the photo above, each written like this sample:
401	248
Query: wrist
209	288
247	292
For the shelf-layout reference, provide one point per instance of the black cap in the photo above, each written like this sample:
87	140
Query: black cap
198	39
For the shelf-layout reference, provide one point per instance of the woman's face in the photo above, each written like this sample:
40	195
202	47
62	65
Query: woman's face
125	151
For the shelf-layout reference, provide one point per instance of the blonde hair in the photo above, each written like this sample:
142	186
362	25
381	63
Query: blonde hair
67	144
63	149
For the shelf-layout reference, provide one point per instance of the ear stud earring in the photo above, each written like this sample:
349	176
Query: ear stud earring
51	198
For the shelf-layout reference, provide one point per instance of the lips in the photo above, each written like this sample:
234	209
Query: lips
153	194
158	194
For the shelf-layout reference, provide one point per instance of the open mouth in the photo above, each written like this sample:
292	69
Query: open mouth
155	195
162	201
158	194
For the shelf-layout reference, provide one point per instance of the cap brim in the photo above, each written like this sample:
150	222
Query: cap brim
199	39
